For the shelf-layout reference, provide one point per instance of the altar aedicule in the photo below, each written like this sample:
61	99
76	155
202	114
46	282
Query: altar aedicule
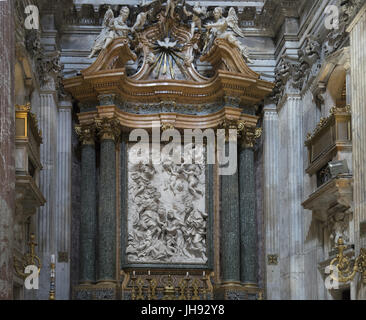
166	217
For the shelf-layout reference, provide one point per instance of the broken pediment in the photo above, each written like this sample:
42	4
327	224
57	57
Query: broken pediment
167	46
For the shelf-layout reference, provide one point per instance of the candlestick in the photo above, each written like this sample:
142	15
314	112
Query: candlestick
52	279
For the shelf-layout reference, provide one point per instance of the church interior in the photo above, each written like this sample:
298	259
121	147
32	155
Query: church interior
277	88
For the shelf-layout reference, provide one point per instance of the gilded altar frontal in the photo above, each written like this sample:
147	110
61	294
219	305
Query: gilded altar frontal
182	150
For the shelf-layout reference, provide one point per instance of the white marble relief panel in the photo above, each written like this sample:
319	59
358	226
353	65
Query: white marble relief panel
167	217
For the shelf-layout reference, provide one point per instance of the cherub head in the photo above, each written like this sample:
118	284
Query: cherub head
124	13
218	11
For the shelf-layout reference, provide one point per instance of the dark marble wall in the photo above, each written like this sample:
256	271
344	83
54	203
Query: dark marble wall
7	138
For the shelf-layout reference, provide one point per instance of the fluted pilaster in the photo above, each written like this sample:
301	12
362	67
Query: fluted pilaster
358	79
271	192
46	217
63	201
292	175
271	197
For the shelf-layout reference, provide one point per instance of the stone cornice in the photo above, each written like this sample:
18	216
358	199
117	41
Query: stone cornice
338	190
180	121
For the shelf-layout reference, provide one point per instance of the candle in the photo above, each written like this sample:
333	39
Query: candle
53	260
134	273
149	273
187	274
204	273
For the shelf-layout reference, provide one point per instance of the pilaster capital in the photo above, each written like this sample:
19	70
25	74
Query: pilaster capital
86	133
249	134
108	128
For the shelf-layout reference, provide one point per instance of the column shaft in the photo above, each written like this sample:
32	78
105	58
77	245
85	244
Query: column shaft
230	242
107	212
248	223
88	218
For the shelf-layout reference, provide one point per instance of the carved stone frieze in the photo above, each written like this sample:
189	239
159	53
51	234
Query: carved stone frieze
288	76
49	70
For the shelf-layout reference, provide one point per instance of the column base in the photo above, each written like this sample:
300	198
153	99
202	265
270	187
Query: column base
236	291
100	291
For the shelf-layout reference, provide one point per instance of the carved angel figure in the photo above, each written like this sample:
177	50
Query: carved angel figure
113	28
170	8
196	14
227	28
100	41
141	20
120	27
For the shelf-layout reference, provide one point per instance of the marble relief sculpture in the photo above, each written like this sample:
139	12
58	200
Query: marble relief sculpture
226	28
166	213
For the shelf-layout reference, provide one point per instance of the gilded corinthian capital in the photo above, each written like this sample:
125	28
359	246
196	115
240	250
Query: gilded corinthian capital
249	134
86	133
108	128
231	129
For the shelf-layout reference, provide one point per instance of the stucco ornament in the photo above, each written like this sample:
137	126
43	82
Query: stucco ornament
166	213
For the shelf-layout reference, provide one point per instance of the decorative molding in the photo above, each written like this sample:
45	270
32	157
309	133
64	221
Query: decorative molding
272	259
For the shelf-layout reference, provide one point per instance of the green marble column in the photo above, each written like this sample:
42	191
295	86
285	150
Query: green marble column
107	212
88	213
230	244
248	223
107	203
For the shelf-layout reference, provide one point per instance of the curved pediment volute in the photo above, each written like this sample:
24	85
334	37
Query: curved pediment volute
114	57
